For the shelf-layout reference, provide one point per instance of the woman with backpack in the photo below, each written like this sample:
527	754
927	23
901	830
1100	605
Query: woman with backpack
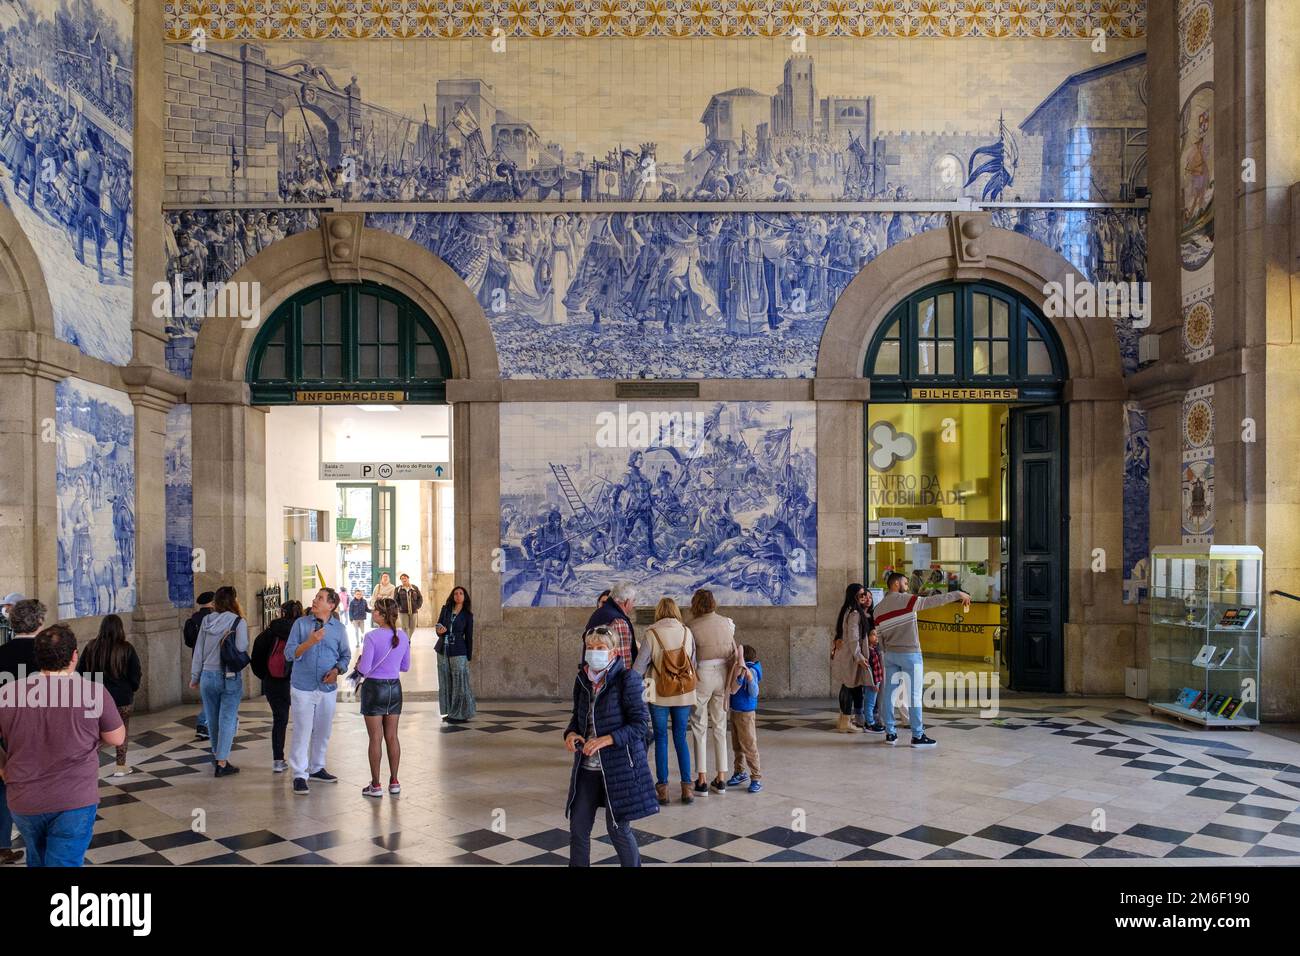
269	664
385	655
112	655
668	660
220	655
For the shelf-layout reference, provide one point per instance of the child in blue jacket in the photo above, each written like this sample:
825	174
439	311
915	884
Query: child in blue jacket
744	728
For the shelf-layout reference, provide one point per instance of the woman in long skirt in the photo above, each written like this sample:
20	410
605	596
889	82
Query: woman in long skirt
455	650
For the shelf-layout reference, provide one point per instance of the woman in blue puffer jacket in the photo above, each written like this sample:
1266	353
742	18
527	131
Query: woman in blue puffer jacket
607	739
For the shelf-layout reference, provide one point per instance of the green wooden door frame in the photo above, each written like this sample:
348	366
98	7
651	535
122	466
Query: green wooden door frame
383	533
348	337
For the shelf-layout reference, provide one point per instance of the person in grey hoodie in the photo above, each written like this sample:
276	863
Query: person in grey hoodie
220	689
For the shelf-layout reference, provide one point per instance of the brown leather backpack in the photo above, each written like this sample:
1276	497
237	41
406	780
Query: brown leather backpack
674	673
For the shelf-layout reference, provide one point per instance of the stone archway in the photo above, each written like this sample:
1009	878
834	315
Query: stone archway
970	249
229	435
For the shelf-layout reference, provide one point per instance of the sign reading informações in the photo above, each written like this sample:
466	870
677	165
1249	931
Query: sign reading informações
354	397
385	470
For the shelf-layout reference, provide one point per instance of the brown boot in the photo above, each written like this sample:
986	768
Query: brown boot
845	725
661	791
688	795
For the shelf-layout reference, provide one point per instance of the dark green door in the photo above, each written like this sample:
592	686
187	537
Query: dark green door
1038	539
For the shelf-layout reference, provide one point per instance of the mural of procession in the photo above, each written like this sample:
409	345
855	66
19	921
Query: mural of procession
671	496
66	108
95	477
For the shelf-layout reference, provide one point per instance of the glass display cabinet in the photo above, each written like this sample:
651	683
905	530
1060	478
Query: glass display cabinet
1205	626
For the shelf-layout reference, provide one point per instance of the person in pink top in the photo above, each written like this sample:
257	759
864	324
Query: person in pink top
385	654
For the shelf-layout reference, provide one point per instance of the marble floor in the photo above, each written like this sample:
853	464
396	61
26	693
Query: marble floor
1052	780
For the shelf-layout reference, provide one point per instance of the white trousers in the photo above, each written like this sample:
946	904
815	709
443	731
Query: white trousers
709	718
312	715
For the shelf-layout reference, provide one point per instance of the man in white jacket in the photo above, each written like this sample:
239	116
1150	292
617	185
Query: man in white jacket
900	641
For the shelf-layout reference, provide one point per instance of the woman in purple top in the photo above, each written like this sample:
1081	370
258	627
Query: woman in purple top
385	653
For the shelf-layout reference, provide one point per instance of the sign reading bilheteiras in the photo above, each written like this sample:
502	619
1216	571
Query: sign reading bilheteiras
965	394
354	397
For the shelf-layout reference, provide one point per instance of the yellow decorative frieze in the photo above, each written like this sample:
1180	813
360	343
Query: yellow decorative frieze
264	20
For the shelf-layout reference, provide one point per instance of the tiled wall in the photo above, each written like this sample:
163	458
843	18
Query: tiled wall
95	475
178	450
66	119
1196	249
672	496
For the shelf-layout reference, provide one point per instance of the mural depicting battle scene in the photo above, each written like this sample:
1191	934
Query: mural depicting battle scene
399	121
95	477
66	115
673	496
177	457
663	295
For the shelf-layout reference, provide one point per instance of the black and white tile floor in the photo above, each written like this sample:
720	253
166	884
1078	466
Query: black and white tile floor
1091	782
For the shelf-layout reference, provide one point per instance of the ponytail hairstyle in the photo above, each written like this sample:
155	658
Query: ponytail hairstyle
386	611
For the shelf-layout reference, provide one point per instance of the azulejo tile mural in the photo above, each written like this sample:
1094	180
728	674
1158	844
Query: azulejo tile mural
95	477
672	496
177	458
66	118
430	121
358	19
654	295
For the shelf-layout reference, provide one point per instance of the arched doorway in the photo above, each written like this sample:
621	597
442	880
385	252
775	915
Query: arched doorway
443	352
965	475
1099	631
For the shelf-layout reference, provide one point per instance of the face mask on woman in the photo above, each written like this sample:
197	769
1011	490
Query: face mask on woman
597	659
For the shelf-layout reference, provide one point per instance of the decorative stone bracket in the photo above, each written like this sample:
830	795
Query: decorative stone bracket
342	232
967	228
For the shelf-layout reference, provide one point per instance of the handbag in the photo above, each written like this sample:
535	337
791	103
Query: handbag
233	660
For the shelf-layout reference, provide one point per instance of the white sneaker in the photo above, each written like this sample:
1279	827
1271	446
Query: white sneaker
279	766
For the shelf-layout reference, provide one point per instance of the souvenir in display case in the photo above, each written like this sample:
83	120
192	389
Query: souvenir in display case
1205	626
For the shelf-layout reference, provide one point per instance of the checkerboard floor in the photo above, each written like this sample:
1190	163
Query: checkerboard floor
1050	780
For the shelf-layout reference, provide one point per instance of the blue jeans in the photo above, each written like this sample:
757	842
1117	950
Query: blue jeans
900	668
680	717
221	696
589	793
202	722
869	695
6	822
57	839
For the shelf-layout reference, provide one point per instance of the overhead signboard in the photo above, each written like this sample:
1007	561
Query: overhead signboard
966	394
385	470
354	397
891	528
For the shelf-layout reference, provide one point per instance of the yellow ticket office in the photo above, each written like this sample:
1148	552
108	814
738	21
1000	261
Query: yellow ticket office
964	478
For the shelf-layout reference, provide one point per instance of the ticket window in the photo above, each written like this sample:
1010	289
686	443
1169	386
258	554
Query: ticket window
941	461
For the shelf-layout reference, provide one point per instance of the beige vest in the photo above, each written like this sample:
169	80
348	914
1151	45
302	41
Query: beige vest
715	637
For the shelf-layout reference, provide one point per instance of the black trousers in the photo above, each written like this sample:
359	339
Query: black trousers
277	695
851	700
588	797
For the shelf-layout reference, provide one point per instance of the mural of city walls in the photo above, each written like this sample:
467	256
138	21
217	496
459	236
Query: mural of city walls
95	482
694	119
651	295
671	496
66	119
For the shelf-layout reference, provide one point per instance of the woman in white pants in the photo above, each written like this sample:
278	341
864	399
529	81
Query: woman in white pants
715	642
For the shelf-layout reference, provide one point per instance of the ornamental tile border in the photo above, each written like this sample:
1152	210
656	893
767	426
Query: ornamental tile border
264	20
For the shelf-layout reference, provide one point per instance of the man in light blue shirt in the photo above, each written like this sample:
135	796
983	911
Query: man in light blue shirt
318	649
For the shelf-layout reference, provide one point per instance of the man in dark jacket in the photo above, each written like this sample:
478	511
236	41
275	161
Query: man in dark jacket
203	607
616	614
606	736
409	602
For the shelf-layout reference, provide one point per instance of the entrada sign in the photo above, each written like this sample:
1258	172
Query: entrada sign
348	398
966	394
